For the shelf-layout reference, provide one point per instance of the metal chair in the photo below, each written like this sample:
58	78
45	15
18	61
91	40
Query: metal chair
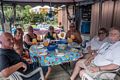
98	77
19	76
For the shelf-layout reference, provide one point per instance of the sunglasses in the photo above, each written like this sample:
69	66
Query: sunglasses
72	26
100	33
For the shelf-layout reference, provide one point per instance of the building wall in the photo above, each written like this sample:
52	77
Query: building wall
116	19
110	16
106	17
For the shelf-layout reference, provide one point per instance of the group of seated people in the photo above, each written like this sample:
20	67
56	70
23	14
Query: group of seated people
52	35
15	57
103	52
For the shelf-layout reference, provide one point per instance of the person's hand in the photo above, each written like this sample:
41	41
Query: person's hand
29	61
94	69
87	62
89	49
24	66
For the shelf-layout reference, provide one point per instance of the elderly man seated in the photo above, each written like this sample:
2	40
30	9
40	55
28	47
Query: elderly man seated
107	58
10	61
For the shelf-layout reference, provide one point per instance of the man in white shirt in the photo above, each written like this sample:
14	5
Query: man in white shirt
106	58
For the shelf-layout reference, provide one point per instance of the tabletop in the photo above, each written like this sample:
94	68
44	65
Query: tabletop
57	56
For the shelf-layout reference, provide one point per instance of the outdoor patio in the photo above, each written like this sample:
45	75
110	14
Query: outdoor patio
59	74
87	17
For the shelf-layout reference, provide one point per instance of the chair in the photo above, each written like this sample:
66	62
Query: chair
86	77
115	73
2	78
111	75
19	76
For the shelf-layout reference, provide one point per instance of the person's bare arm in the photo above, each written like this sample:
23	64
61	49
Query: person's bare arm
27	40
57	36
89	59
78	37
89	49
109	67
104	68
67	35
8	71
46	35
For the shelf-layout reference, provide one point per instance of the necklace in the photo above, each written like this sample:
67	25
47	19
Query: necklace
103	49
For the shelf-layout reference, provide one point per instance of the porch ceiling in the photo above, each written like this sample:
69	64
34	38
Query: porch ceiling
55	1
45	2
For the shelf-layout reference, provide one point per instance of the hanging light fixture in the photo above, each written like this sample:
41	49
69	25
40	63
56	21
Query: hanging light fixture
50	13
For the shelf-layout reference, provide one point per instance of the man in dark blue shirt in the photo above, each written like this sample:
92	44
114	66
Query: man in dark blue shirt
10	61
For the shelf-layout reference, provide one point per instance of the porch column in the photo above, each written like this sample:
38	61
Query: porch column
2	16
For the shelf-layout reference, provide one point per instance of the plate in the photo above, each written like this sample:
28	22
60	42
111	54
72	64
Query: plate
60	54
45	53
74	50
40	46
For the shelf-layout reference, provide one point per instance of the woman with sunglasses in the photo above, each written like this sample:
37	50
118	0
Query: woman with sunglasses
96	41
74	34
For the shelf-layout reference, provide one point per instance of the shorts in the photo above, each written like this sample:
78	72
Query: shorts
94	75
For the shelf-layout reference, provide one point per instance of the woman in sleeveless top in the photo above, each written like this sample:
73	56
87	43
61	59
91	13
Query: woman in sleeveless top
29	37
51	34
75	32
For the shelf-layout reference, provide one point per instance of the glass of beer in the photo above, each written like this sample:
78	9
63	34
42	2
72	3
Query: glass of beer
62	35
69	40
72	37
46	43
55	36
34	41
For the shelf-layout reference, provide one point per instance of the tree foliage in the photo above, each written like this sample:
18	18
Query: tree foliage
24	15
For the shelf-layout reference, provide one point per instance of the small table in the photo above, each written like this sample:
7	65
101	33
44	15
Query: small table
52	58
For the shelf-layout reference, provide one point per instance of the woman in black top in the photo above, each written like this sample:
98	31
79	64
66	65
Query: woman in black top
51	34
29	37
